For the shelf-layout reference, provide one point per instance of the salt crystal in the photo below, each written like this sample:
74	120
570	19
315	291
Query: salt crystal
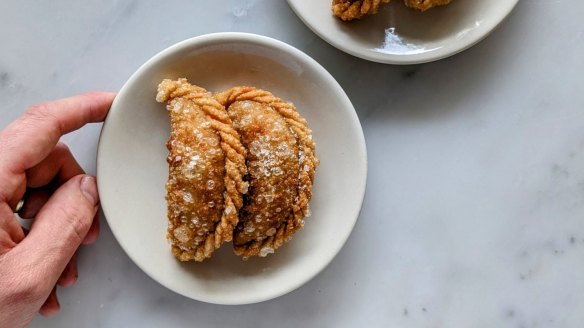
228	210
306	168
254	147
271	232
177	158
187	197
249	229
193	162
277	171
265	251
210	184
181	234
211	204
269	198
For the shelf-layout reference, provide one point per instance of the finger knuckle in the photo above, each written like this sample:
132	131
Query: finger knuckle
21	287
37	109
41	113
77	223
26	291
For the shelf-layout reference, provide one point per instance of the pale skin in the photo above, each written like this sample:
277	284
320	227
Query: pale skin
60	198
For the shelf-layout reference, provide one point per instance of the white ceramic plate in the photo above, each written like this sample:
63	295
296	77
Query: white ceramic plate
400	35
132	169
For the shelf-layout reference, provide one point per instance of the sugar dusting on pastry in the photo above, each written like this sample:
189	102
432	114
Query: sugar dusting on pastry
241	167
281	161
273	168
204	188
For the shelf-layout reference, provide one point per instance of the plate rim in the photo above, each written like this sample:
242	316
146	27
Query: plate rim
411	59
277	45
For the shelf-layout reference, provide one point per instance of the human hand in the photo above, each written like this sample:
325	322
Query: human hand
61	199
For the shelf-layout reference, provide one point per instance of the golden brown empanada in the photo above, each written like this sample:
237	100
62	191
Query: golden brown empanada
348	10
281	163
206	166
424	5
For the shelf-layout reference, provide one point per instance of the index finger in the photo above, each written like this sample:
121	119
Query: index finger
29	139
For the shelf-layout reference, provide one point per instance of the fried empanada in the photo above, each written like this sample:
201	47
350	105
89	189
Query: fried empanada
424	5
281	164
348	10
206	168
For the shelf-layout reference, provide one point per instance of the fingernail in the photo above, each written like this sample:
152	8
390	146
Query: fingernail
89	189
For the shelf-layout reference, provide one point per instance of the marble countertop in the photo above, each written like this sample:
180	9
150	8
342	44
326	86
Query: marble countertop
474	213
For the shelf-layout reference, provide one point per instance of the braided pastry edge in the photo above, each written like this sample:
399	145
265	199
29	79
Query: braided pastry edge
235	168
308	164
348	10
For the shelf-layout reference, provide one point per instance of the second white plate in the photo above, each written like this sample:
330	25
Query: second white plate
400	35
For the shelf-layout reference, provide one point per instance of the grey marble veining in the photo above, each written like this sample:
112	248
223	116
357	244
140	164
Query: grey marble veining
474	213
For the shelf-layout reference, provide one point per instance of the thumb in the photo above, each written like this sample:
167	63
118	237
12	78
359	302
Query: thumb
61	226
